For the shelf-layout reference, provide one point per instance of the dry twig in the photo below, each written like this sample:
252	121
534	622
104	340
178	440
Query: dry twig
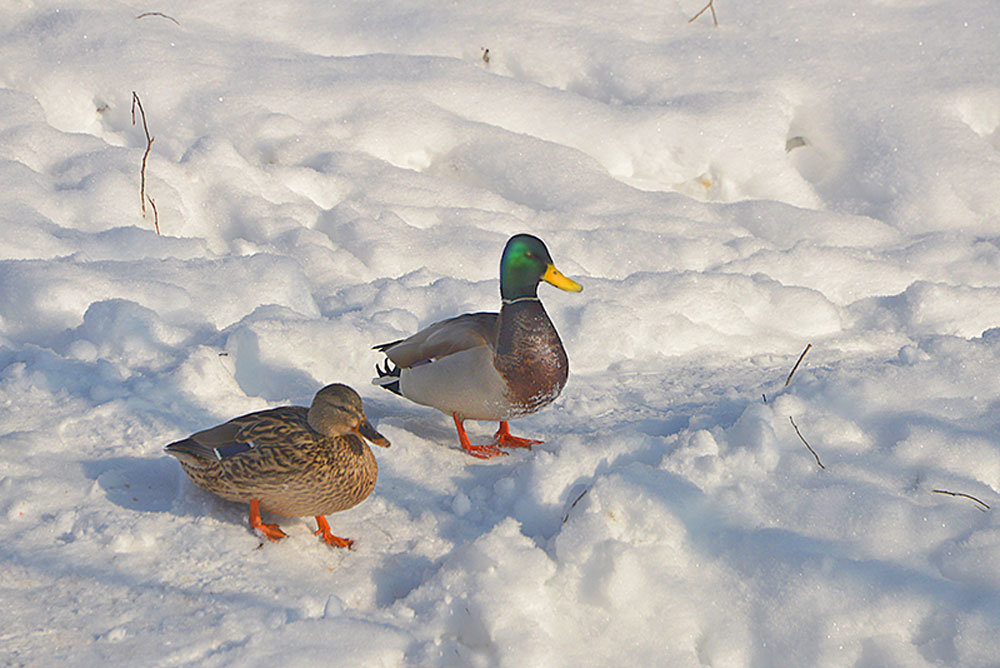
795	368
149	144
160	14
710	5
962	494
802	438
156	216
573	505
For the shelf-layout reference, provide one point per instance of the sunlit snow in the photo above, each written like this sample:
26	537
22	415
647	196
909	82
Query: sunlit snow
328	176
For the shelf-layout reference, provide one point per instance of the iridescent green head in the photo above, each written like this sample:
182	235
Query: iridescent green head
524	263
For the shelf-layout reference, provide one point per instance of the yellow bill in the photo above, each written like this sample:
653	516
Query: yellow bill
556	278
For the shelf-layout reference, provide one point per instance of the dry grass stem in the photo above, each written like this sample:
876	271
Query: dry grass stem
795	368
963	495
710	5
160	14
802	438
149	144
573	505
156	216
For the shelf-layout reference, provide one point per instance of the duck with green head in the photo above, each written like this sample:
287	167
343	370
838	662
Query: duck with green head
488	366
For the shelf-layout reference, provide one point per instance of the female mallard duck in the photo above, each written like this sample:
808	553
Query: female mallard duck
290	460
488	366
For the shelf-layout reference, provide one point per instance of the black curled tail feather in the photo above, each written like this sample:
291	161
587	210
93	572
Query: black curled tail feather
388	377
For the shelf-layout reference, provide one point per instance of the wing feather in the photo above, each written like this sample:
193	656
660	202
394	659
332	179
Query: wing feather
276	426
444	338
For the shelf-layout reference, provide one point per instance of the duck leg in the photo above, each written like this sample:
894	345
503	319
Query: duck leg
270	531
480	451
329	538
504	439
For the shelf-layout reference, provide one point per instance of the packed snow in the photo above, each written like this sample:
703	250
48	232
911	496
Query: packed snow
330	176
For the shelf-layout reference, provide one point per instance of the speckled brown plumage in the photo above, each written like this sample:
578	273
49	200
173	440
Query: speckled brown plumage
292	460
293	470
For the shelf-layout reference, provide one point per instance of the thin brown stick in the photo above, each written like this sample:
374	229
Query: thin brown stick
962	494
710	5
802	438
149	145
156	216
794	368
160	14
573	505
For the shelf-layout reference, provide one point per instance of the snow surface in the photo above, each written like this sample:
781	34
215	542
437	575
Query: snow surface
329	176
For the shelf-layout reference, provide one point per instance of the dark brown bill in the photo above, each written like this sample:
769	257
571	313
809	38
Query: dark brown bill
366	429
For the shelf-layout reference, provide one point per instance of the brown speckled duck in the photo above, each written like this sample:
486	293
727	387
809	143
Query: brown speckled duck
291	460
488	366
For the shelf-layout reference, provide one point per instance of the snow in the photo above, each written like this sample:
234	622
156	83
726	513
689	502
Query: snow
329	176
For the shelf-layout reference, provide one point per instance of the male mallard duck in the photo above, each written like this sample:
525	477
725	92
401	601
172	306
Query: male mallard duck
488	366
290	460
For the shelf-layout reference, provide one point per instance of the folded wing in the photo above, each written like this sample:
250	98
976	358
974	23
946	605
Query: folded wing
444	338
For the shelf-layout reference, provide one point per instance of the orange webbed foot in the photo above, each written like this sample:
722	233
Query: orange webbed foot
270	531
328	537
478	451
504	439
484	451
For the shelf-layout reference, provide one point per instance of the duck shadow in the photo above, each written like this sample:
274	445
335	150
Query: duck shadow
423	423
136	483
160	486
